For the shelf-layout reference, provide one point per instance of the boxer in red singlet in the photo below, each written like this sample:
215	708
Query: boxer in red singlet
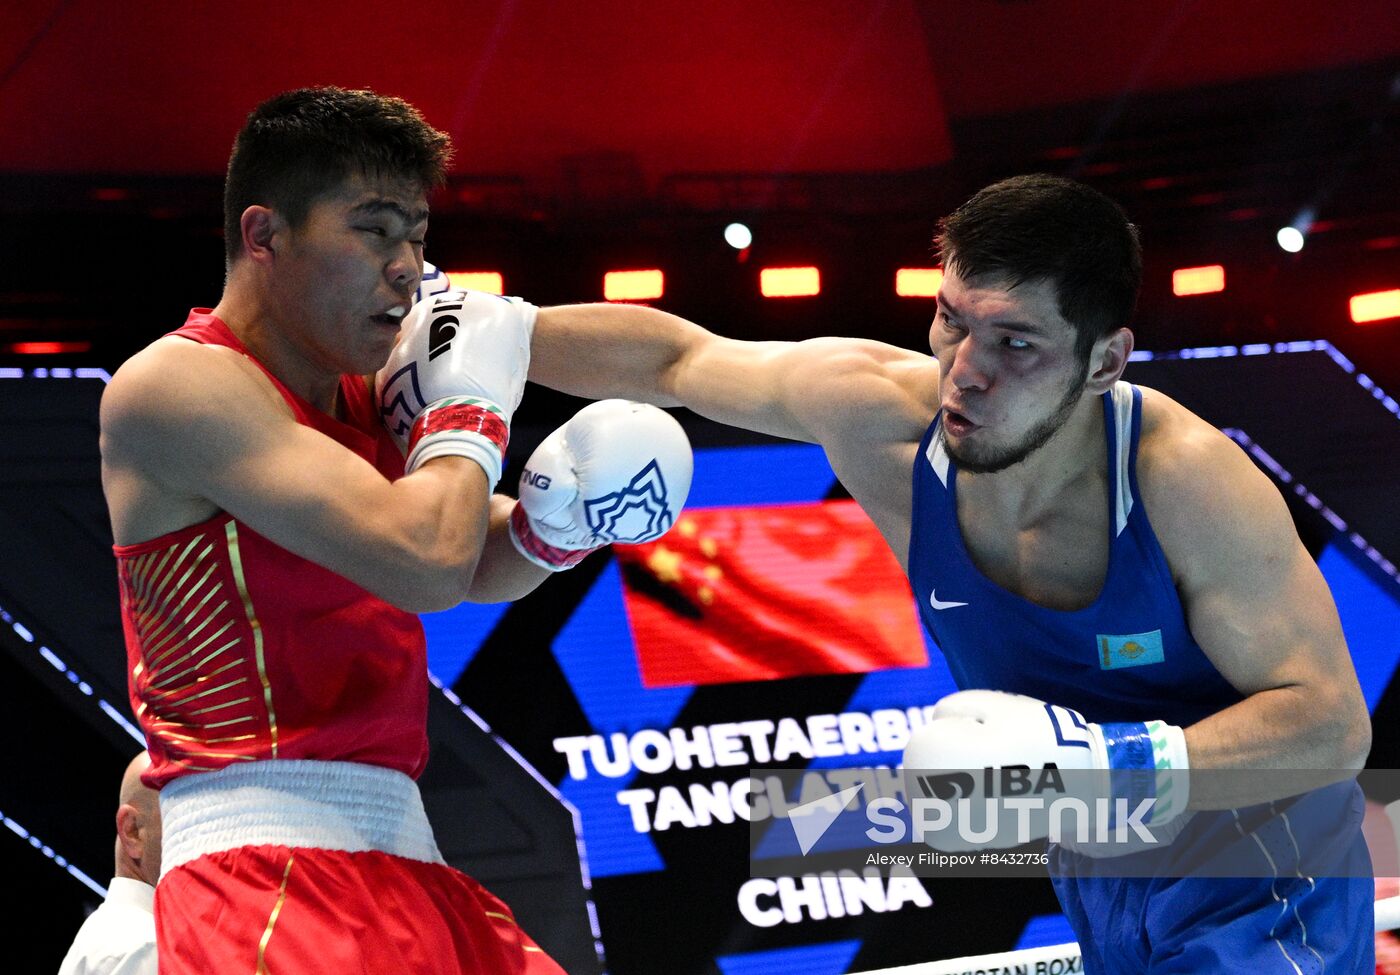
273	546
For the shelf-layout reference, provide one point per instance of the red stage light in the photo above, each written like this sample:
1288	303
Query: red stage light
491	282
918	282
1198	280
634	285
47	348
1375	306
789	282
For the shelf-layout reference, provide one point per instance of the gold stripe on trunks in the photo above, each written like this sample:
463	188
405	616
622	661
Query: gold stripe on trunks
272	918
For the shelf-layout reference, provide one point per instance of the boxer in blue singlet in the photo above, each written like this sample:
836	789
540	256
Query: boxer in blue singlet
1070	539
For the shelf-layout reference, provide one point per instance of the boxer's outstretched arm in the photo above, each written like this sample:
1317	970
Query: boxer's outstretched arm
199	424
1258	606
820	391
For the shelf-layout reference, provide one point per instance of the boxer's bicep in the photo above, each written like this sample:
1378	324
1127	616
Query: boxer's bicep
1254	599
1258	606
205	428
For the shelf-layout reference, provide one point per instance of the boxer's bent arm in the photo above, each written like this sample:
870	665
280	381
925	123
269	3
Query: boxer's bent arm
828	390
199	422
1258	606
503	574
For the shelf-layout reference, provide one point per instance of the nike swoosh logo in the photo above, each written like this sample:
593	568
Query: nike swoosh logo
937	603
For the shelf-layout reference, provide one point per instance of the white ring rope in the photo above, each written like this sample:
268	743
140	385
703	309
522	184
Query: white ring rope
1056	959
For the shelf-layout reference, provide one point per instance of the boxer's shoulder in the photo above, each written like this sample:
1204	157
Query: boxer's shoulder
174	384
1201	490
1181	455
168	414
879	393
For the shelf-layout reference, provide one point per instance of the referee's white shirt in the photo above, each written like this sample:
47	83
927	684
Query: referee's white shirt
119	938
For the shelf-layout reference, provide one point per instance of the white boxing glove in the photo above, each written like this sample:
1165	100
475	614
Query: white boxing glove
456	376
616	472
1017	751
434	281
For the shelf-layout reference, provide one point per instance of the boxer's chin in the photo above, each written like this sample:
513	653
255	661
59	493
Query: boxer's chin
973	459
989	459
976	458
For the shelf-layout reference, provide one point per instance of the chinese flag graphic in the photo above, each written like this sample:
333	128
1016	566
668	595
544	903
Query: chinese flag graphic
742	594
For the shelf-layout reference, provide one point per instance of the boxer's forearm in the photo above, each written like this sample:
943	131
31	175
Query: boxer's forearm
602	351
502	573
1282	732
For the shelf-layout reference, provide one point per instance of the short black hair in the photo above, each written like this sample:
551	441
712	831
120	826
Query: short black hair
1049	228
300	145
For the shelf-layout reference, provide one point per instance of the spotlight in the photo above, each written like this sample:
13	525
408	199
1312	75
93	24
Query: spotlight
1291	238
737	236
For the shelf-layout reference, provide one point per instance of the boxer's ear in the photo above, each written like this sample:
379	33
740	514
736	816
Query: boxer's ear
260	227
1108	359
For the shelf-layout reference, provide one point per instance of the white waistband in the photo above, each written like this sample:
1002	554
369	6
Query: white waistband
295	803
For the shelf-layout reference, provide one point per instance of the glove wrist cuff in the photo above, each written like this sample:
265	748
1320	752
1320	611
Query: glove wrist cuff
535	549
464	426
1147	760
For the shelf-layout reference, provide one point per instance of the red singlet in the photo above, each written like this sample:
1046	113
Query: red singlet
239	650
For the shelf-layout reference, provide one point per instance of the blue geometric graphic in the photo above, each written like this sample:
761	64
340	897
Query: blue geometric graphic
455	635
613	845
828	959
611	516
760	474
1369	605
595	651
1045	929
900	689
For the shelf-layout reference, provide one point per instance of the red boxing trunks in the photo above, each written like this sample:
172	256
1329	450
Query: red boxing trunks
293	867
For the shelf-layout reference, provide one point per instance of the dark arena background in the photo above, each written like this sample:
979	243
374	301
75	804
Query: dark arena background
578	764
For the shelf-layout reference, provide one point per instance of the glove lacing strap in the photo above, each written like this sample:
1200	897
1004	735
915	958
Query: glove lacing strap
537	550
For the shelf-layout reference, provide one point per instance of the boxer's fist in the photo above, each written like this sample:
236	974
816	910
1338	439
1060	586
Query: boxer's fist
971	729
456	376
988	745
617	472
